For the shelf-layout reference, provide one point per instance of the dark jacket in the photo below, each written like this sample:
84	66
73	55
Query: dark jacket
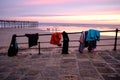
65	43
13	48
32	39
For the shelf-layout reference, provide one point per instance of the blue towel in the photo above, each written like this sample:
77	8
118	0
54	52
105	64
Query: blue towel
93	35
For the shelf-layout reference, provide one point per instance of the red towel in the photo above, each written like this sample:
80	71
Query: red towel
55	38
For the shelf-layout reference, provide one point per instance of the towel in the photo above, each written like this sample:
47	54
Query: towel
13	48
32	39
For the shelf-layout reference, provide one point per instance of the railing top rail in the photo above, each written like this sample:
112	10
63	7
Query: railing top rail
68	33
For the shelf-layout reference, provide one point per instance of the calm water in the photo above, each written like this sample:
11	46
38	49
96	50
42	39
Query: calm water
71	27
60	27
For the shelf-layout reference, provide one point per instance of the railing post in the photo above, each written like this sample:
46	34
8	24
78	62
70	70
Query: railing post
39	47
115	44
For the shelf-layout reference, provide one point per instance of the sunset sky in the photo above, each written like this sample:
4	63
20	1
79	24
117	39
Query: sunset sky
62	11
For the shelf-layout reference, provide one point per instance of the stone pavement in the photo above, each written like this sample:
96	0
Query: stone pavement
52	65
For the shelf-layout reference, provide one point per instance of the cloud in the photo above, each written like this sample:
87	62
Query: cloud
52	2
48	2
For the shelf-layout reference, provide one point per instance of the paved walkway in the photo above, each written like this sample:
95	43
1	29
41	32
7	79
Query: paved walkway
52	65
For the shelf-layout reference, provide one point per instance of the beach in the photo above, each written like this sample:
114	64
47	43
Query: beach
50	64
60	40
6	35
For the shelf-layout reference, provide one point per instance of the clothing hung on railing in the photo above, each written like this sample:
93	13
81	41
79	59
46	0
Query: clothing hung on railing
88	39
56	38
83	42
91	45
65	43
13	48
32	39
82	39
92	37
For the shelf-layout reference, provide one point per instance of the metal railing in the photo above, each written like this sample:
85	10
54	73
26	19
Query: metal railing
114	48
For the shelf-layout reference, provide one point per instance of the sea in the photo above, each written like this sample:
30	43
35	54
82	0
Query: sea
72	27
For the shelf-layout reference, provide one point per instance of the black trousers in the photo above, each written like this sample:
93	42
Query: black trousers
91	45
65	47
65	43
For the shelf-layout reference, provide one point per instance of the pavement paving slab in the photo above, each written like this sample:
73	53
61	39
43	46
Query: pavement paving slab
52	65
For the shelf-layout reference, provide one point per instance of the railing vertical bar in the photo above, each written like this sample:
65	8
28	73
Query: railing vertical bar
39	47
115	44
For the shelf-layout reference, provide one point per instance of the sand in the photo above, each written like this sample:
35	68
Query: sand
6	35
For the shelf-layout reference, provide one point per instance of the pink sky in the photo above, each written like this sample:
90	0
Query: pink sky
51	2
67	11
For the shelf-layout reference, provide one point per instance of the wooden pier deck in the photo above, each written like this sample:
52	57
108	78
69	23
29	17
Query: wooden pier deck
17	24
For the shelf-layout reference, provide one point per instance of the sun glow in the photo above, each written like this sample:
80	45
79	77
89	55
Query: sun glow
91	19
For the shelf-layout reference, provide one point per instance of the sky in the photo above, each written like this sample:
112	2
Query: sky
62	11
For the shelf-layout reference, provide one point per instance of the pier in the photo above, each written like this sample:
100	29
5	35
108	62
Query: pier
17	24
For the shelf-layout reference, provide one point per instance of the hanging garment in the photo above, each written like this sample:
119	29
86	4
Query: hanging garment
13	48
32	39
82	42
93	35
65	43
91	45
86	42
55	38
